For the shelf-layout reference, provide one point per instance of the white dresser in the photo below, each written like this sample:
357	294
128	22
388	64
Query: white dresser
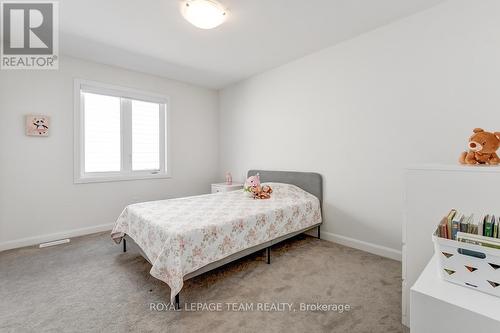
431	191
223	187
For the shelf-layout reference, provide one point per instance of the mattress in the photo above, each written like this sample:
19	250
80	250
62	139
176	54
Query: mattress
181	235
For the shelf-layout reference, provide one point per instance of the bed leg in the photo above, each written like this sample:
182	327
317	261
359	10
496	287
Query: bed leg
177	302
268	251
319	232
124	245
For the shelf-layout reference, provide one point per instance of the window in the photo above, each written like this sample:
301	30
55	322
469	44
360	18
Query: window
119	133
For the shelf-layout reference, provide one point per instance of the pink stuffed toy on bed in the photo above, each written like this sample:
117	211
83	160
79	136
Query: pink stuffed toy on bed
252	181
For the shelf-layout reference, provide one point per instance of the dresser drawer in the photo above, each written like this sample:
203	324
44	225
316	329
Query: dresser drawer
217	189
222	187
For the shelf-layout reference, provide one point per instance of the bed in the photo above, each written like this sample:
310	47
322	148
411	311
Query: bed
185	237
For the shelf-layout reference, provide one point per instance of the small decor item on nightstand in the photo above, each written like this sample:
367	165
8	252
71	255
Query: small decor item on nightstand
482	148
37	125
229	178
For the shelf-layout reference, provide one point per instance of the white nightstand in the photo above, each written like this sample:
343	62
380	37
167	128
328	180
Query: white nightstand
223	187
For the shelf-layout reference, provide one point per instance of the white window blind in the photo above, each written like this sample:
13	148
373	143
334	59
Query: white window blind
102	133
119	134
145	136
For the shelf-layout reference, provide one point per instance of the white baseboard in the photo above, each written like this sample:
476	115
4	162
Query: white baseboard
28	241
362	245
343	240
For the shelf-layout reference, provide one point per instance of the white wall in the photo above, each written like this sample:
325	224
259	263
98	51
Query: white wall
38	200
360	111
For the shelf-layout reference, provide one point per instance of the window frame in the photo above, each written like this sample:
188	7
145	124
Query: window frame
126	172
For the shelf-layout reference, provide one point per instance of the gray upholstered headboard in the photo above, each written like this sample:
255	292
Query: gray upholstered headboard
308	181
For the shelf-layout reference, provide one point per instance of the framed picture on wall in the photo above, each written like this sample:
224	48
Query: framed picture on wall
37	125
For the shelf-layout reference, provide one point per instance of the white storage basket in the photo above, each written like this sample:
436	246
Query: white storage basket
469	265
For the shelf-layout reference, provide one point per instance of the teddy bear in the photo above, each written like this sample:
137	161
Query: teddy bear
482	148
261	192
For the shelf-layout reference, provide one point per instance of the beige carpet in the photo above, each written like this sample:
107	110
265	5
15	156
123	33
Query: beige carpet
90	285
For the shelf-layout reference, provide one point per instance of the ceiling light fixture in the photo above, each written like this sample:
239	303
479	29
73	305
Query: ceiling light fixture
204	14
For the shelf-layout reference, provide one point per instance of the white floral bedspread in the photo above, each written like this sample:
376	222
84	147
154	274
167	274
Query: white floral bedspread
182	235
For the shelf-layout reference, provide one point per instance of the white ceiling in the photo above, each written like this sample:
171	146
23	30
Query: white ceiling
151	36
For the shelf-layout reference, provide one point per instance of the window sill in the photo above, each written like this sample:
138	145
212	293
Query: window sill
104	179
